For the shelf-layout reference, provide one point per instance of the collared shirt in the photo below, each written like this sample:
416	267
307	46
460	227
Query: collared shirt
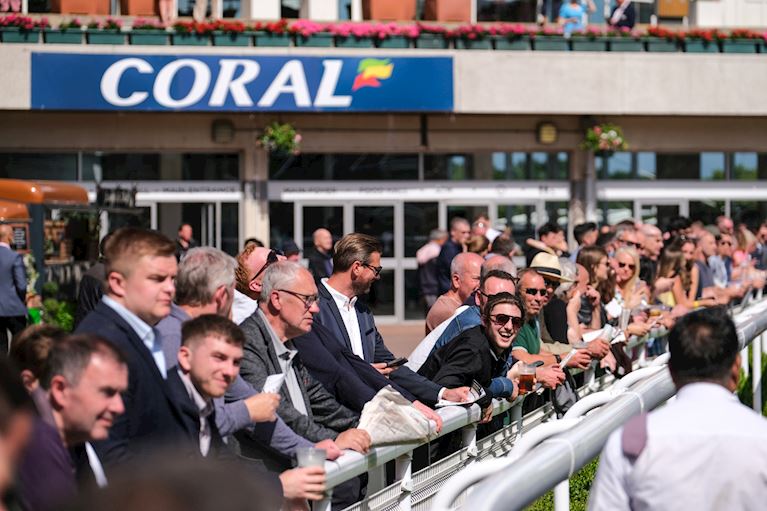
146	333
243	307
96	467
205	406
4	244
345	306
704	451
285	355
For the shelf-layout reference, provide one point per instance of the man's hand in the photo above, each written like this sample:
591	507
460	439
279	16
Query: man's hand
599	348
381	368
487	414
550	376
332	451
263	407
354	439
638	329
581	359
429	414
303	483
663	284
457	395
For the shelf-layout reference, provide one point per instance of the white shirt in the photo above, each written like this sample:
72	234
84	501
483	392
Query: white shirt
205	406
345	306
243	307
145	332
424	348
705	451
96	467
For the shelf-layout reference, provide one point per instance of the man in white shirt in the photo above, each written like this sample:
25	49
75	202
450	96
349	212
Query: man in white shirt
705	450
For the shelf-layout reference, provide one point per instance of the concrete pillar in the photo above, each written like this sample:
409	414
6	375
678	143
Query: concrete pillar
261	9
356	10
321	10
483	166
254	209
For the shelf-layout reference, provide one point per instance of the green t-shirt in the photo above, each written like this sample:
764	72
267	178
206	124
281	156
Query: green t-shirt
528	339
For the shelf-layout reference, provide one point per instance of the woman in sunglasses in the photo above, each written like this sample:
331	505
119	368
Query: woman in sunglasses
594	259
630	291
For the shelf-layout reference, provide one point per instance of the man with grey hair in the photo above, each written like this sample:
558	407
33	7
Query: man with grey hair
651	248
464	280
498	262
205	285
426	257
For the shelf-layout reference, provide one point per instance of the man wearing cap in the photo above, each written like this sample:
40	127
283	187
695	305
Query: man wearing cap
291	250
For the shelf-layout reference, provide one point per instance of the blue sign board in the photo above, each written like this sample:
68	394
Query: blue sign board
67	81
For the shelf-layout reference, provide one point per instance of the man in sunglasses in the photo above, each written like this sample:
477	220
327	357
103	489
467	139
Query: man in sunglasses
481	353
356	266
626	236
252	262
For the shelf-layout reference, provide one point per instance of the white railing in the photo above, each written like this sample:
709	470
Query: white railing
556	459
401	494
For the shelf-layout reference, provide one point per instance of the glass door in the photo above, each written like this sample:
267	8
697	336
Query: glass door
659	212
378	220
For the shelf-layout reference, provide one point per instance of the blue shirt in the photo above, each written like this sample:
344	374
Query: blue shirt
145	332
572	11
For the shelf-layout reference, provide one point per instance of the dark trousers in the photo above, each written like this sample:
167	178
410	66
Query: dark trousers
14	324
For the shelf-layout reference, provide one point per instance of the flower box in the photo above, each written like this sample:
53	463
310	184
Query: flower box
625	44
395	41
484	43
660	44
353	42
190	39
232	38
262	38
68	36
517	43
149	37
550	43
319	40
587	44
113	36
431	41
16	35
701	46
740	46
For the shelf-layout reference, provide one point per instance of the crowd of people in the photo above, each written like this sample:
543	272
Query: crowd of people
177	347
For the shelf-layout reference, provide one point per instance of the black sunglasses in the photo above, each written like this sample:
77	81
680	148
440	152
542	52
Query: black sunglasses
532	291
271	258
376	269
503	320
632	267
308	300
632	243
551	283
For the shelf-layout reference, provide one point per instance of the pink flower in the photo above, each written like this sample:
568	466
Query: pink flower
597	130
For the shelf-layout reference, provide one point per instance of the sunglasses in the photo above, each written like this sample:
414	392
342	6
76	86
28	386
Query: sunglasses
503	320
376	269
632	243
308	300
632	267
726	243
553	284
534	291
271	258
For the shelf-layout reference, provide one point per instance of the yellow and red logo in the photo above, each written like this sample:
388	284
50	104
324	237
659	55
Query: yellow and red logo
371	71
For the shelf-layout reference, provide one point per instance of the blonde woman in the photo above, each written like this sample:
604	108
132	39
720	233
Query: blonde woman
630	291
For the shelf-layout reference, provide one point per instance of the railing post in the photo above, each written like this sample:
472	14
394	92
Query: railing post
744	361
756	372
642	354
516	416
403	466
562	496
324	504
469	439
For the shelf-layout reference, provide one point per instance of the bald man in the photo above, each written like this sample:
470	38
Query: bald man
464	280
13	290
321	258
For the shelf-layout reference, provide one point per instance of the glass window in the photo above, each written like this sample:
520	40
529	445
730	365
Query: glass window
420	219
377	221
751	213
616	166
522	219
138	217
381	296
122	167
210	167
329	217
53	166
712	166
658	214
414	304
349	167
493	10
557	212
281	225
302	166
230	228
645	166
451	167
706	211
612	212
467	212
548	166
744	166
678	166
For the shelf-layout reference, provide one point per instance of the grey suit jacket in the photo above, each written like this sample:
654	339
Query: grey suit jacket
13	284
326	417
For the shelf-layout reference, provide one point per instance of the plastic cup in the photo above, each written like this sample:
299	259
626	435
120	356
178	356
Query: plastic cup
311	457
526	378
625	317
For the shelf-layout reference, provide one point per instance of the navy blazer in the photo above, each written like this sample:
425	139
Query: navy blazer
351	380
373	347
13	284
152	416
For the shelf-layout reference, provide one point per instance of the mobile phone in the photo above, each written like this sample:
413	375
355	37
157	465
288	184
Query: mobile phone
396	362
537	363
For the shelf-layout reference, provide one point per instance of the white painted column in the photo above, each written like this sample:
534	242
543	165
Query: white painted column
261	9
254	209
320	10
356	10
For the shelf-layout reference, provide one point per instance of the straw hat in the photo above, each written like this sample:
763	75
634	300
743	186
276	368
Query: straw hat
548	265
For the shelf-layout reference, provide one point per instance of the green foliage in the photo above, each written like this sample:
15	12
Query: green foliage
744	385
280	137
51	290
59	313
604	139
580	485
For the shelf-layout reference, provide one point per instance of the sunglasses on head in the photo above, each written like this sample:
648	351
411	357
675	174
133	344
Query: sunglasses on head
503	320
632	267
532	291
271	258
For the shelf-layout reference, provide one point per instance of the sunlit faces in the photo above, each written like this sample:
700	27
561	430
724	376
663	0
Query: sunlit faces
149	288
688	251
602	270
467	281
89	408
624	266
707	244
502	325
461	232
323	240
212	364
533	293
493	286
297	317
724	246
366	274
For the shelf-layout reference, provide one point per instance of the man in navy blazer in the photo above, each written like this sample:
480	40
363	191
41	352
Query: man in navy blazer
13	290
356	266
141	267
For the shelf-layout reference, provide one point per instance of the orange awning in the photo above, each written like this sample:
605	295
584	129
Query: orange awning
51	193
13	212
